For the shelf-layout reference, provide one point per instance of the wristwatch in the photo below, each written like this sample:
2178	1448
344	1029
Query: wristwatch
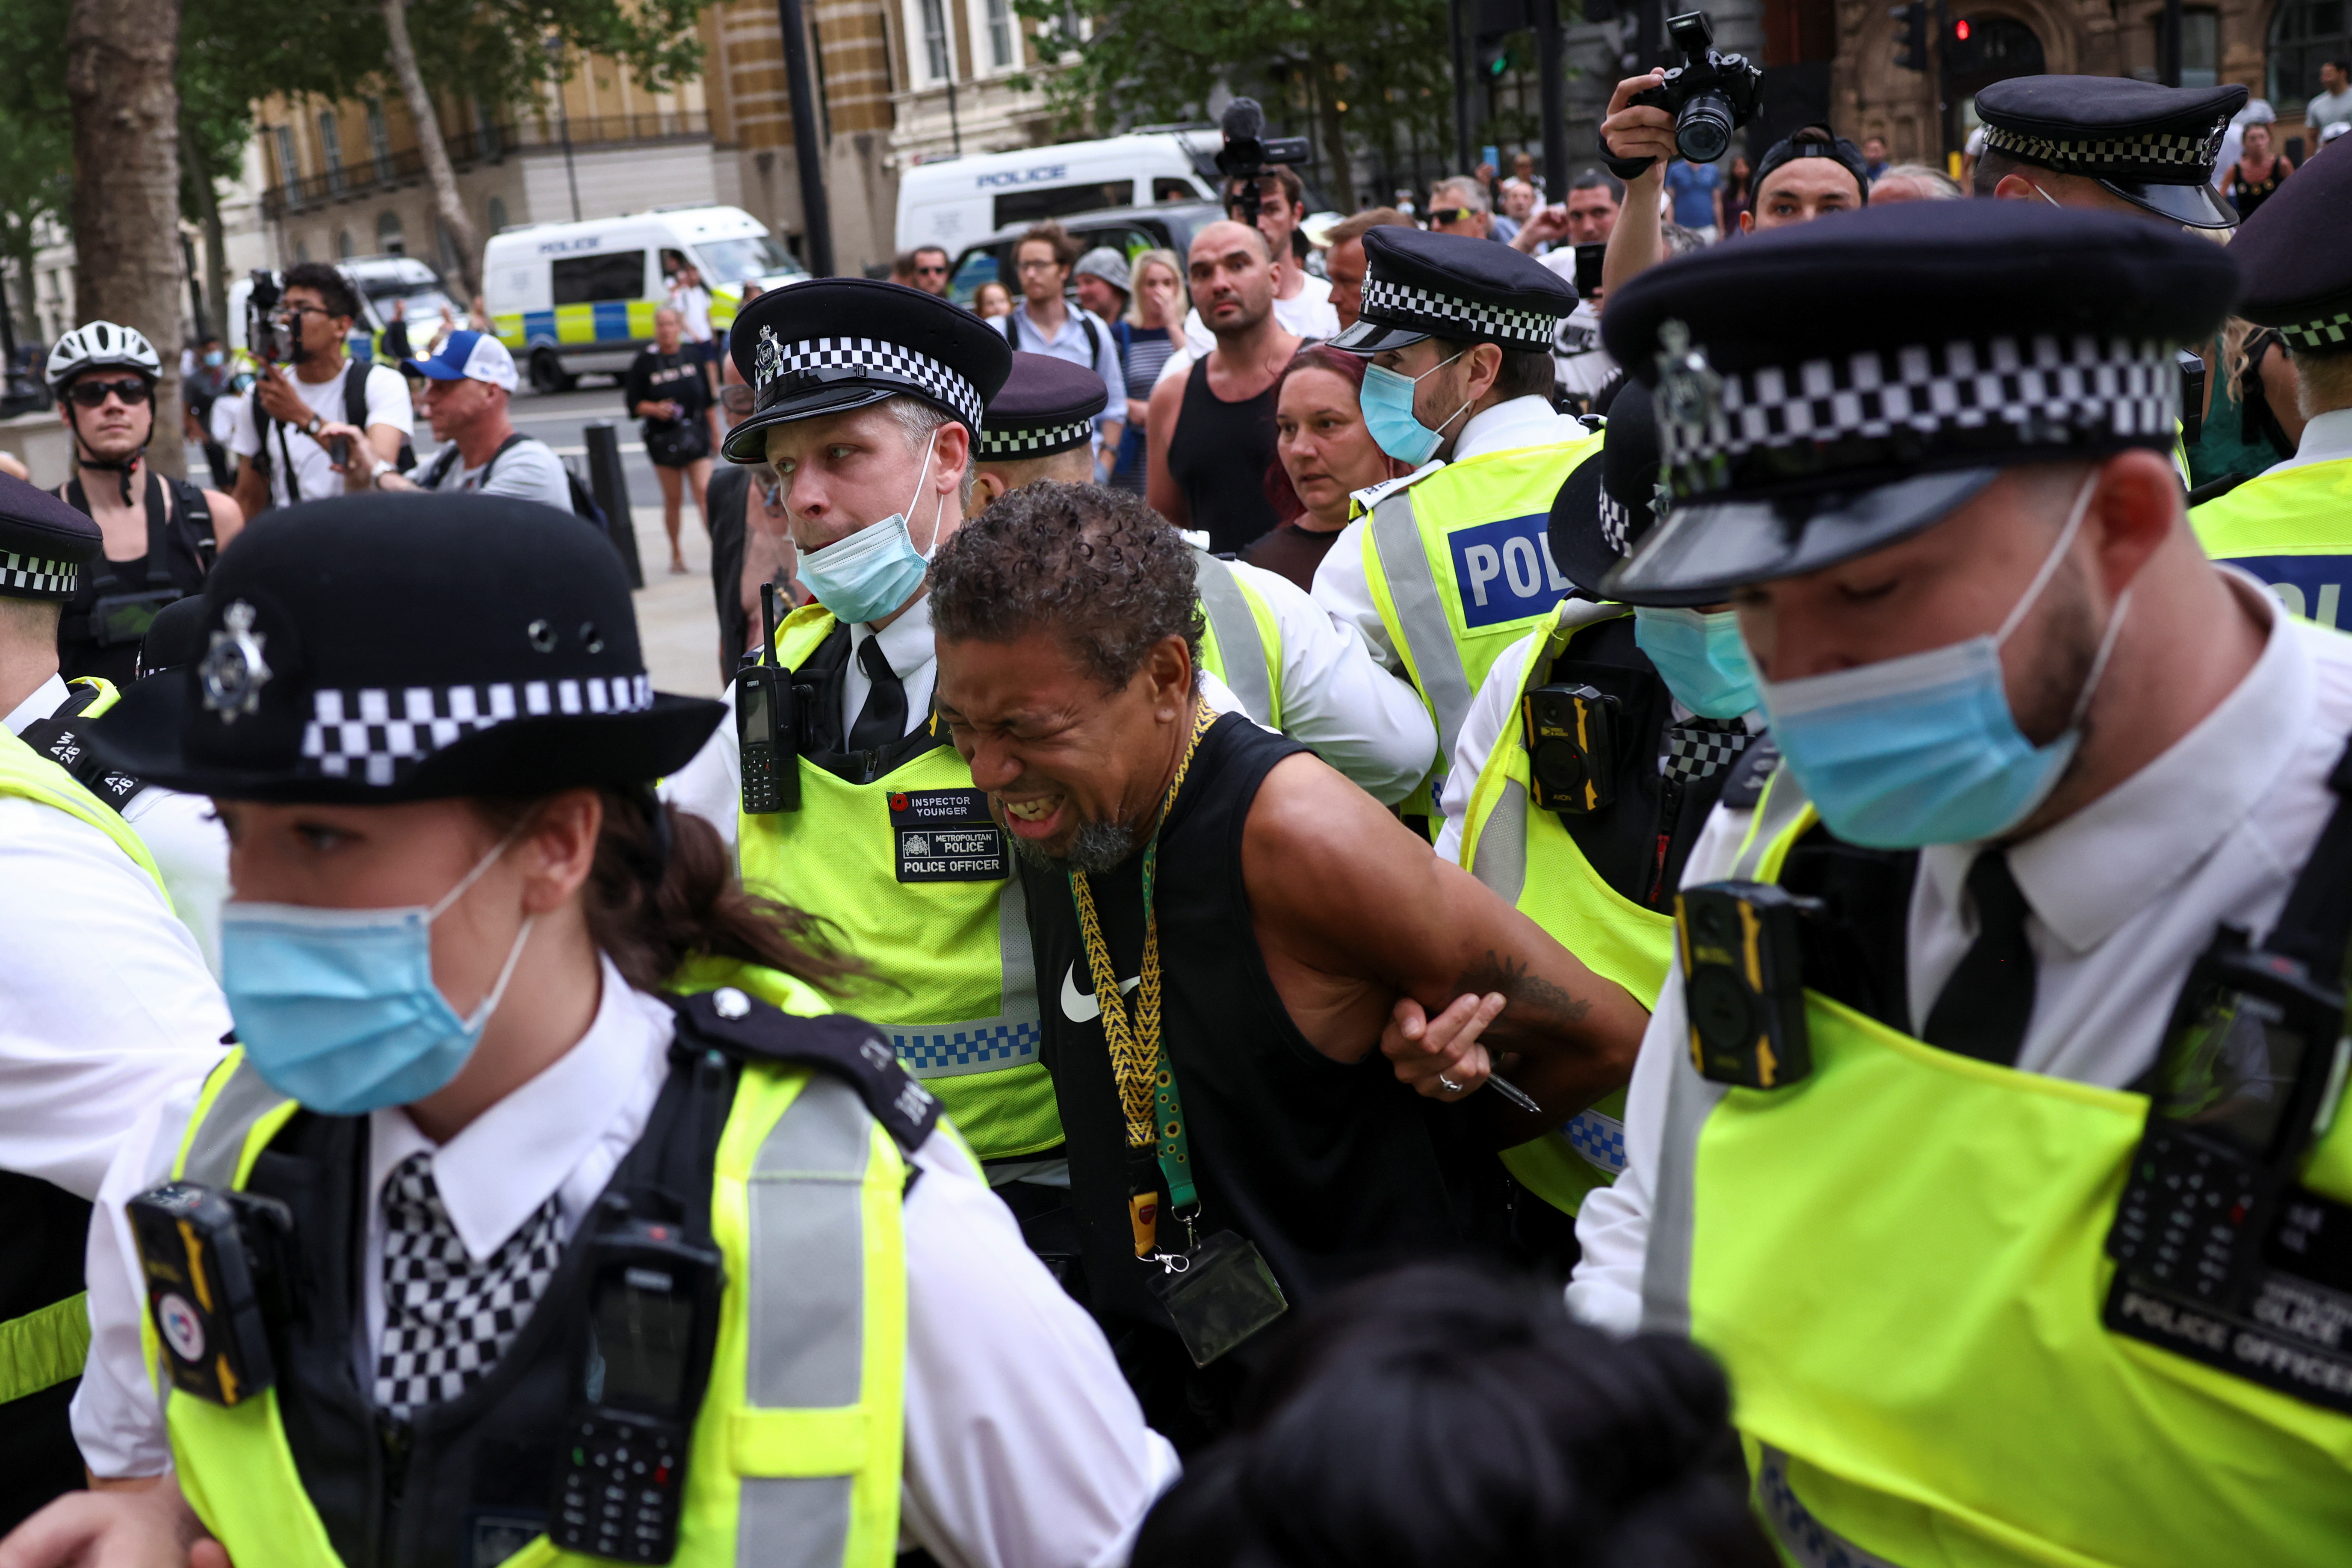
318	422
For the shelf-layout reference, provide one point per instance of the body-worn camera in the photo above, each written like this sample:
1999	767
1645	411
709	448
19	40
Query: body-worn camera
1249	152
653	1318
1743	982
1709	95
214	1264
1570	733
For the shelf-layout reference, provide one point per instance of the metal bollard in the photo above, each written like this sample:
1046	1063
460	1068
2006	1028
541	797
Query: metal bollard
611	488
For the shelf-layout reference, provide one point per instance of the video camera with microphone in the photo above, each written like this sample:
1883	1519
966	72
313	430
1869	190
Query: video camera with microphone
1249	154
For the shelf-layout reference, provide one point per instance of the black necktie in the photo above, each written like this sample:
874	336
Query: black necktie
882	721
1984	1008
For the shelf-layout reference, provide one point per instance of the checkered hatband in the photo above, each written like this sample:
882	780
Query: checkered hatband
2328	332
784	369
381	736
29	576
2116	157
1755	429
1616	521
1419	309
995	443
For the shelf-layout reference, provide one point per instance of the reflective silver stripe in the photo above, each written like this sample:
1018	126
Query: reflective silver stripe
1666	1258
984	1045
806	1301
219	1140
1240	648
1501	862
1421	616
1813	1544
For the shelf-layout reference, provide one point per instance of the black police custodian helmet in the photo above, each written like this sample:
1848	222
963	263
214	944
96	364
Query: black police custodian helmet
1608	506
373	649
2154	146
44	543
1420	284
1828	388
832	344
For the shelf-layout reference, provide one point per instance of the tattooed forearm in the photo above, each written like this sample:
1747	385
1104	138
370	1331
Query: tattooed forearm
1527	992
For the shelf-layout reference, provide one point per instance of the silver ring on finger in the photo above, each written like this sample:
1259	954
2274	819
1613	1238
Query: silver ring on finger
1448	1083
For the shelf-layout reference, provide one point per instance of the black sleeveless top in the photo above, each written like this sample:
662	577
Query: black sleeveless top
111	608
1333	1170
1218	456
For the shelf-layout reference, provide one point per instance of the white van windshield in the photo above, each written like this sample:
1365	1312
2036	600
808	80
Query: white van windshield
744	261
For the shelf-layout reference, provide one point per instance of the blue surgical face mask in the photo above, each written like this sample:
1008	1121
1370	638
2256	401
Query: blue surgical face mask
212	356
1923	748
337	1008
874	570
1388	414
1701	657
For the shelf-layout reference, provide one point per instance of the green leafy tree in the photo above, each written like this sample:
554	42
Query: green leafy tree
1370	73
36	147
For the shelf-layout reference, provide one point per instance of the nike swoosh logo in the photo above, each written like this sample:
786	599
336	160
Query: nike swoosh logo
1080	1006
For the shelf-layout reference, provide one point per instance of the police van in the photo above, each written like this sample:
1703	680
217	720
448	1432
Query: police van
569	298
958	201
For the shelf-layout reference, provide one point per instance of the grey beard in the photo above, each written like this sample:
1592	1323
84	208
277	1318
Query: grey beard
1099	847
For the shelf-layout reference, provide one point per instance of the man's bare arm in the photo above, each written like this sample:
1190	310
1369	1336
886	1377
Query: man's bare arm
1160	487
1364	927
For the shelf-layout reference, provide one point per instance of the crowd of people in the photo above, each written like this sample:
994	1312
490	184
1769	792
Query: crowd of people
1648	879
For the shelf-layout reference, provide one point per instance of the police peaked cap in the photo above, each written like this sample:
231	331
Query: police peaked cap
2296	253
44	542
832	344
371	649
1422	284
1827	388
1046	406
2154	146
1607	507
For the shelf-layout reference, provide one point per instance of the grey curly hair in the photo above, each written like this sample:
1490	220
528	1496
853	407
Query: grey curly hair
1103	570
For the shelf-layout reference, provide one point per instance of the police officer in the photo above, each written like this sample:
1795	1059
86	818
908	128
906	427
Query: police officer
1271	651
2107	141
1444	569
104	1001
2057	784
2292	524
1591	759
161	535
644	1253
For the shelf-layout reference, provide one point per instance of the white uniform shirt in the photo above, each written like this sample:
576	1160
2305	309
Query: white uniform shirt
2327	439
314	472
2123	895
105	1003
1306	314
1023	1445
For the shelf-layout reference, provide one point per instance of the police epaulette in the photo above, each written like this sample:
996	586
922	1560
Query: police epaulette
1750	773
850	1048
60	738
1361	503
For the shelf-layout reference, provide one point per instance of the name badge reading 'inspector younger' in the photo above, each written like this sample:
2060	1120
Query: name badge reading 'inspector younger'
947	836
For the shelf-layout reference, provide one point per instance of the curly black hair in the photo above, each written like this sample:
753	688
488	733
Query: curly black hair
334	289
1101	568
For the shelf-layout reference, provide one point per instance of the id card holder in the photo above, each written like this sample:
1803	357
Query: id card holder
1222	1295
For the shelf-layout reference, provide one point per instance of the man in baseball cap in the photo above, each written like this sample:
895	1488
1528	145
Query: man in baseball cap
468	382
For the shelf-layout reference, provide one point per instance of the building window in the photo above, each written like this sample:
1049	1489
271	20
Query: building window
2305	34
498	213
1000	34
343	247
379	139
388	239
330	150
2200	48
935	40
301	249
289	168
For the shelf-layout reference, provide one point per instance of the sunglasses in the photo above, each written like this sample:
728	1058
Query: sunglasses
1453	214
92	394
931	271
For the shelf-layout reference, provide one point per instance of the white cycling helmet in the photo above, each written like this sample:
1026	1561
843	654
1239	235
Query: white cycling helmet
101	345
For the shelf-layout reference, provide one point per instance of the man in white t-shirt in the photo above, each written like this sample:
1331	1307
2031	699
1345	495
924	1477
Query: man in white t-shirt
280	432
1276	204
468	381
691	300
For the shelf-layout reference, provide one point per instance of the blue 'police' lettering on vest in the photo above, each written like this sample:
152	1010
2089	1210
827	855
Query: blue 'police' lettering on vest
2308	585
1503	571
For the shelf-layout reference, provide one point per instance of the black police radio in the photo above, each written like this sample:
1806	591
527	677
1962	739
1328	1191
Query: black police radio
1710	95
653	1318
1571	735
767	723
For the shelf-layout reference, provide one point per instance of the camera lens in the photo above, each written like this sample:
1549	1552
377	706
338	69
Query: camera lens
1559	765
1703	129
1720	1010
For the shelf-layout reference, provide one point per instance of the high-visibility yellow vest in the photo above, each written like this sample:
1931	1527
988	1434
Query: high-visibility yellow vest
1460	568
1522	852
791	1139
1244	644
2292	529
1900	1263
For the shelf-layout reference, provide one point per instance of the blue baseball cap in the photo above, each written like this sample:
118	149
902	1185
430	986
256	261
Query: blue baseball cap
467	355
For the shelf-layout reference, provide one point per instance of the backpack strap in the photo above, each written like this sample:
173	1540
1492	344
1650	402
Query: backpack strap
739	1026
355	377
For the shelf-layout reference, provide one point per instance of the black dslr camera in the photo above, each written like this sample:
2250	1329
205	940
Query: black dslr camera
271	340
1249	152
1709	95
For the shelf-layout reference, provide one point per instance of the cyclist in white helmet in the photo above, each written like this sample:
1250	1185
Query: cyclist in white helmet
160	534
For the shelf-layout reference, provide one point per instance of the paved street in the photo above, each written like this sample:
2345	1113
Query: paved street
675	617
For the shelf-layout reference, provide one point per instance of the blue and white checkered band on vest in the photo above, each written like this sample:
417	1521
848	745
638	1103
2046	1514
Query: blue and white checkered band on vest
782	369
1413	309
2113	156
995	442
26	576
1882	410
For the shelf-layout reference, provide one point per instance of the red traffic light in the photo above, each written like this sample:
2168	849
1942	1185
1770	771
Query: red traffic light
1960	29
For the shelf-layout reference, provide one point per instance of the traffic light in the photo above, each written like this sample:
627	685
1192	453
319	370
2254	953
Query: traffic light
1497	56
1910	35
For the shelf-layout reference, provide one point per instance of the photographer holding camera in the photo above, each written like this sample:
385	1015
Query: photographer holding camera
280	432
